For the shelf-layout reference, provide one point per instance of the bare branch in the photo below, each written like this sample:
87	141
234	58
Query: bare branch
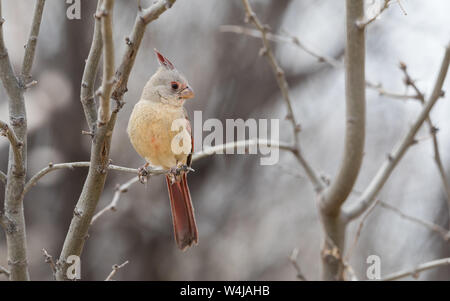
420	268
281	39
90	72
363	22
382	92
284	88
115	268
4	271
359	230
71	165
49	259
113	205
108	61
222	148
433	131
30	47
3	177
336	194
15	143
445	234
388	166
294	260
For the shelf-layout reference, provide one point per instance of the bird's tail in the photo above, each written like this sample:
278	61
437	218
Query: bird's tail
183	218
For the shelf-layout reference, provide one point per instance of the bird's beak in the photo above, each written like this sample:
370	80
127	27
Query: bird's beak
187	93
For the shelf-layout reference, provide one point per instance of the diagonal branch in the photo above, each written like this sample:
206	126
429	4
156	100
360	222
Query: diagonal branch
115	268
433	131
284	88
414	272
281	39
3	177
30	47
388	166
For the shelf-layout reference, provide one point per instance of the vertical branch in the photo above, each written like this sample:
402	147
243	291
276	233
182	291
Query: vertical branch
333	197
90	72
355	88
15	220
108	61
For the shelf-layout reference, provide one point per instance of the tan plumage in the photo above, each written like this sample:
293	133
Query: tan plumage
160	133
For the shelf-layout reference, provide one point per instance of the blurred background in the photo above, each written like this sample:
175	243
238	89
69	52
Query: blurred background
250	217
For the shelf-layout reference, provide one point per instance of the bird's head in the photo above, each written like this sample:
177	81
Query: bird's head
168	84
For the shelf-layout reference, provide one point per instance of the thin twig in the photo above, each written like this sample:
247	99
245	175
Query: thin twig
445	234
16	144
415	271
433	131
365	22
4	271
3	177
388	166
382	92
113	205
115	268
285	38
49	259
294	260
71	165
30	47
359	230
284	88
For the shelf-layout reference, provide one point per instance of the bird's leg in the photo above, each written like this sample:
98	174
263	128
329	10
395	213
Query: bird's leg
176	171
143	173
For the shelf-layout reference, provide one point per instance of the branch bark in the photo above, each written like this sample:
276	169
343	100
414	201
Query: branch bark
90	72
331	200
71	165
388	166
108	61
15	87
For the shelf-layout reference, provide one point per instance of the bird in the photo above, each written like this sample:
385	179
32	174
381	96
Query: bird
160	132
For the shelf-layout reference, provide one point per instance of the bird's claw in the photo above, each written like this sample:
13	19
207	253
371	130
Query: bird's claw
176	171
143	174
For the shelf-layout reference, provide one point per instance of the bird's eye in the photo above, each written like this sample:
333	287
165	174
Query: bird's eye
174	85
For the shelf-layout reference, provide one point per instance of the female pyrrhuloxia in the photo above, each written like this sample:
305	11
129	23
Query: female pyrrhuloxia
154	131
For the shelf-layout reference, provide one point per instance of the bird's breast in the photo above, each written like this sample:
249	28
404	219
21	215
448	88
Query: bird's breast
151	134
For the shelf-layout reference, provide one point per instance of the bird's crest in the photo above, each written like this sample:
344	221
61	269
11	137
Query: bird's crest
163	61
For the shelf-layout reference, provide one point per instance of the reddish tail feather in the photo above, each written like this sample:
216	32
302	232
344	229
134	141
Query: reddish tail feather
183	218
